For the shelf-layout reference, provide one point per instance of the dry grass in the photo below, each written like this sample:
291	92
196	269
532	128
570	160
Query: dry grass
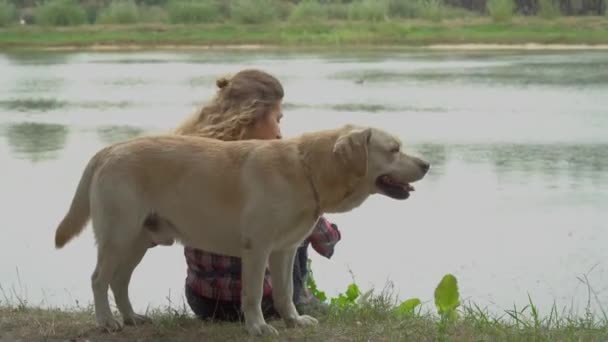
375	321
372	316
55	325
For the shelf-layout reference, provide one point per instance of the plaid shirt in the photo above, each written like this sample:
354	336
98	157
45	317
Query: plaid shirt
219	277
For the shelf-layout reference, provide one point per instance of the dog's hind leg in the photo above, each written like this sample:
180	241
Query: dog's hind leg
122	277
107	264
281	271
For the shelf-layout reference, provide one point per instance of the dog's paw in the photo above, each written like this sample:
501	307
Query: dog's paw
262	329
109	324
301	321
135	319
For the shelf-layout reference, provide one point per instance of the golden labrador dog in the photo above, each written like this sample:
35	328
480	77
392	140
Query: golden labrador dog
253	199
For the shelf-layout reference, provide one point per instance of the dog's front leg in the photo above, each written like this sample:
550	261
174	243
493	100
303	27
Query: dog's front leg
281	271
254	267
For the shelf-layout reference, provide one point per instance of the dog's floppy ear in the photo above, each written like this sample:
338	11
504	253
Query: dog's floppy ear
351	148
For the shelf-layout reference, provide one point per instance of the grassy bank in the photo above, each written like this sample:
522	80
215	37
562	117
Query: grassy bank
373	322
352	316
331	34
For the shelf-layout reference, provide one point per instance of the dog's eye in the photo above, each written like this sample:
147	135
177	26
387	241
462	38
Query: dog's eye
395	150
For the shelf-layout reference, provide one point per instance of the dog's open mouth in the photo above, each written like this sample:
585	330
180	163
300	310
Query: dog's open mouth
392	188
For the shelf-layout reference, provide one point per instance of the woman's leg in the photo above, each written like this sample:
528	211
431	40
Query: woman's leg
306	303
210	309
300	273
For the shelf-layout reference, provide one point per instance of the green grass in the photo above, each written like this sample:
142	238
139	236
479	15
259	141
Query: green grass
352	317
548	9
337	33
501	11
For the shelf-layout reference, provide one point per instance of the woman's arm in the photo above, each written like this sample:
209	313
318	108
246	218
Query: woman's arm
324	237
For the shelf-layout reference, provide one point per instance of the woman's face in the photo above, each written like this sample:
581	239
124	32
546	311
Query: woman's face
268	127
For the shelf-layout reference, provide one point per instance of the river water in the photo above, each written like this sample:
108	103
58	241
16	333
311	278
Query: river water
516	202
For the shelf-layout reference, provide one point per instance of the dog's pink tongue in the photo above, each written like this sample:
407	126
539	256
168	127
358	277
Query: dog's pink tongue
410	187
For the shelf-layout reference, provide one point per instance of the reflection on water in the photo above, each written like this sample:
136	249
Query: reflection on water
201	81
36	141
361	107
580	162
583	72
127	82
587	162
38	85
515	202
32	104
515	157
37	58
113	134
562	74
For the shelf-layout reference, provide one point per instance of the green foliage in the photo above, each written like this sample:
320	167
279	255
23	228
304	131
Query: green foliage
447	298
347	299
337	11
119	12
153	14
91	10
284	9
69	12
431	9
312	285
194	11
152	3
501	10
548	9
405	8
61	13
308	10
7	13
254	11
368	10
408	307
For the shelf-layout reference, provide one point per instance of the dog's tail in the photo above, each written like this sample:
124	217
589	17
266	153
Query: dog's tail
80	211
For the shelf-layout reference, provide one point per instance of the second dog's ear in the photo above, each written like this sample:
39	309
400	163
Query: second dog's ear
352	149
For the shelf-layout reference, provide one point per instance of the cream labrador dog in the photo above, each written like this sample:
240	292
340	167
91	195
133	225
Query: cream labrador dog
251	199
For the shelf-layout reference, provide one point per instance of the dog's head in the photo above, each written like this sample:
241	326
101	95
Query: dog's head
377	156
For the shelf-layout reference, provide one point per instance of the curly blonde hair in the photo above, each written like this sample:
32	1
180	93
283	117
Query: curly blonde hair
240	101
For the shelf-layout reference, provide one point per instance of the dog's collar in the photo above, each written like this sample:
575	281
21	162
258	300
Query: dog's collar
313	187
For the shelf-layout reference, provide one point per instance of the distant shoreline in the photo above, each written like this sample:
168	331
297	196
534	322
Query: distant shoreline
580	33
244	47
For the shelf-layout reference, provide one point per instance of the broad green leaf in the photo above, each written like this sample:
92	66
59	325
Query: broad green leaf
446	295
408	306
320	296
340	301
352	292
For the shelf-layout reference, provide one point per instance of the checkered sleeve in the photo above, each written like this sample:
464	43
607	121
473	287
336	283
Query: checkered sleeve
324	237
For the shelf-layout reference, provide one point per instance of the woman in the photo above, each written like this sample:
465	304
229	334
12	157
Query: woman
246	106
